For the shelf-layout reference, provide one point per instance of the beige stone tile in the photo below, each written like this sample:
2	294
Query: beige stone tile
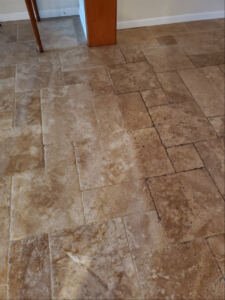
28	109
145	232
123	157
217	245
212	153
3	291
7	97
203	25
167	29
8	33
116	201
133	77
97	77
154	97
222	68
173	273
174	87
166	40
206	94
189	205
184	158
93	262
5	191
211	59
219	125
134	112
133	53
135	36
24	32
41	75
29	275
169	58
4	243
20	150
46	201
84	57
181	123
6	120
214	74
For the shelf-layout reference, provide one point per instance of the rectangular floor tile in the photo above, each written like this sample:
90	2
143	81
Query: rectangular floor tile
212	153
133	53
21	150
155	97
135	36
30	280
116	201
216	76
172	273
189	205
217	246
164	59
211	59
133	77
185	158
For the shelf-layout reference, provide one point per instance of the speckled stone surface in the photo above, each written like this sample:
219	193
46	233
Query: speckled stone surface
112	163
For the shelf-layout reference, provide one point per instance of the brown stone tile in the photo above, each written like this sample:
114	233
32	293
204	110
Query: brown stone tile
222	68
219	125
4	242
184	158
93	262
154	97
123	157
217	245
181	123
20	150
206	94
40	75
189	205
211	59
135	36
166	40
169	58
116	201
144	231
24	32
97	77
167	29
214	74
132	53
7	100
84	57
203	25
134	112
5	191
212	153
46	201
6	120
133	77
3	292
174	87
172	273
30	280
8	33
28	109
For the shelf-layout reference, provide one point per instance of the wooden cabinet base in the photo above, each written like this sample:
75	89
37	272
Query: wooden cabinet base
101	19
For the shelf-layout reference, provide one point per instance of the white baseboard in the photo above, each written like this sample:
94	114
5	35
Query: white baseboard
51	13
170	19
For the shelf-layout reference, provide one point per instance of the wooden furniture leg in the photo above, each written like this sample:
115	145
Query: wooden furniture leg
34	3
34	24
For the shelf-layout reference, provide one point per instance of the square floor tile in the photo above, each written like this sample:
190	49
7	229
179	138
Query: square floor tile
210	59
185	158
212	153
217	246
155	97
181	123
133	77
218	124
189	205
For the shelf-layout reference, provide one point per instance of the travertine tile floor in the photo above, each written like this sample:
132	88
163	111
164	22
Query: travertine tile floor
112	163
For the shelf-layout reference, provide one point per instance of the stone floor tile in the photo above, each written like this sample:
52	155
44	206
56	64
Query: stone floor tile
181	123
21	150
218	124
212	153
185	271
116	201
97	77
30	280
205	25
8	33
47	200
4	242
27	109
84	57
133	77
154	97
167	29
217	246
6	120
174	87
133	53
166	40
188	204
7	97
185	158
41	75
164	59
214	74
135	36
24	32
93	262
124	157
5	191
144	231
3	291
134	112
222	68
211	59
